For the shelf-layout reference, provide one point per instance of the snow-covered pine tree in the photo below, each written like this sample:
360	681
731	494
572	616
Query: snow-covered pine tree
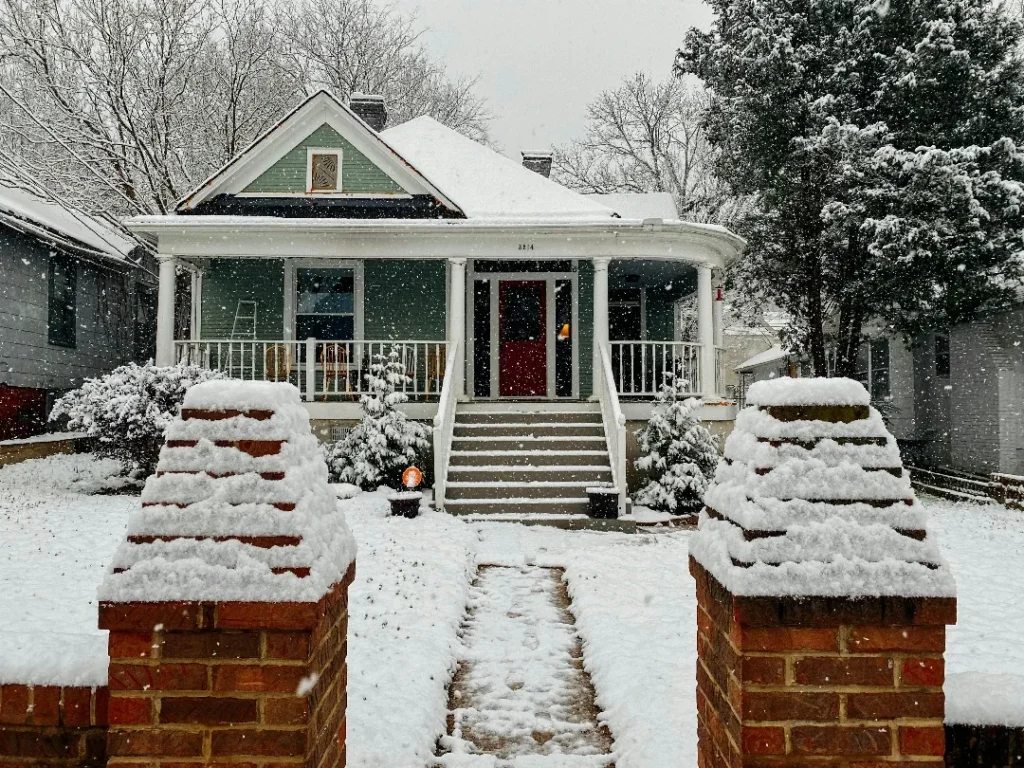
384	442
678	453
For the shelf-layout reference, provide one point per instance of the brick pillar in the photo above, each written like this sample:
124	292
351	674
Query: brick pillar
819	681
209	682
822	601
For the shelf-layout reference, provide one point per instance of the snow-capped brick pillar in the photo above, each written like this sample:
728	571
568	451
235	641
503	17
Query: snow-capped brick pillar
227	604
822	600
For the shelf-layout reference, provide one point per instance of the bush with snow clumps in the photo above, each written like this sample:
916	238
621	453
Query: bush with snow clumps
128	409
384	442
677	453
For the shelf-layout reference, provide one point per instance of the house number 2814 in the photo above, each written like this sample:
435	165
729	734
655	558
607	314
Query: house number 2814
526	246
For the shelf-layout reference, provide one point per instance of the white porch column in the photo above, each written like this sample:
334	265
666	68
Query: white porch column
600	313
457	312
706	331
165	311
718	306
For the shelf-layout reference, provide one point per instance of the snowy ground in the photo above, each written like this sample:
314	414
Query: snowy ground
633	602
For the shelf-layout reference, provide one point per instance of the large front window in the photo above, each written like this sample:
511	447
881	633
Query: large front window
325	306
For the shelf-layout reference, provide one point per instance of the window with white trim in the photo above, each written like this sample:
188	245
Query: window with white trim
325	304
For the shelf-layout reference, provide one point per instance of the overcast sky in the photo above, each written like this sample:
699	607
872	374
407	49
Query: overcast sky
541	61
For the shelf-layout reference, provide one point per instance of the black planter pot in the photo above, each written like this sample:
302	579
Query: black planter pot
604	503
406	504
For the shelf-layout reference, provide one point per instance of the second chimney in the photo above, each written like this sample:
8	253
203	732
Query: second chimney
538	162
371	109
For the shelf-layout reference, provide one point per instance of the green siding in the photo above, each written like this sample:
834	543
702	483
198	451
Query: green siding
586	326
660	320
358	172
228	281
404	300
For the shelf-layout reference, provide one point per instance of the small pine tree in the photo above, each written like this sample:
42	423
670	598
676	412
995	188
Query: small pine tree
384	442
678	453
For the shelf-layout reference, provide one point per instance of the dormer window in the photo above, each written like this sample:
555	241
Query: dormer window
323	173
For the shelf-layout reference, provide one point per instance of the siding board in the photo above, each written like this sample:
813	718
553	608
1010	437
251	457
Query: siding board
404	299
228	281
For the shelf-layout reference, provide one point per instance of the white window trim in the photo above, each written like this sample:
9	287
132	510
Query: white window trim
310	151
290	284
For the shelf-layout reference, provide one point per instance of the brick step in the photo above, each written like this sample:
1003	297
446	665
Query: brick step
595	474
574	489
526	431
525	457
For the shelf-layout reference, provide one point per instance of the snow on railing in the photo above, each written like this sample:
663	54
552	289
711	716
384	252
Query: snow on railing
614	425
323	369
639	367
444	421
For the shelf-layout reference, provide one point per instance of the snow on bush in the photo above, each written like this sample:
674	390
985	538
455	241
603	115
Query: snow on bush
678	453
385	442
128	409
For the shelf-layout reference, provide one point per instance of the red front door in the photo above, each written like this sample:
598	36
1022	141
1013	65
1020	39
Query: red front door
522	348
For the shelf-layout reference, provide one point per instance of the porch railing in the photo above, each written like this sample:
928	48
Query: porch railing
614	425
444	421
638	368
321	369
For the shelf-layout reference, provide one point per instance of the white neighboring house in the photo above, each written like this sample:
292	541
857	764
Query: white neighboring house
76	300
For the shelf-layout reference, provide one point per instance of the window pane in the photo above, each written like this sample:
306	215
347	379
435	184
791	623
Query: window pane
563	338
330	327
942	355
522	321
880	353
482	338
62	310
325	291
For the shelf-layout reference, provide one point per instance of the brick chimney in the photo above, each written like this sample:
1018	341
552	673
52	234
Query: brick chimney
371	109
538	162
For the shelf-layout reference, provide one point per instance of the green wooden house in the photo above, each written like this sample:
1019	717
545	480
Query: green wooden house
517	306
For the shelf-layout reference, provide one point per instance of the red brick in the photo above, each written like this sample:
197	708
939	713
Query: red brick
763	741
211	645
130	645
784	639
941	763
156	742
100	705
790	706
913	639
922	741
267	615
766	670
130	710
889	706
45	705
287	645
207	710
285	710
268	678
840	741
162	677
271	743
146	617
35	744
256	448
852	670
76	707
14	704
926	672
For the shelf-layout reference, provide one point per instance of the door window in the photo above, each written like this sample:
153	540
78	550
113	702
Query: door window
522	313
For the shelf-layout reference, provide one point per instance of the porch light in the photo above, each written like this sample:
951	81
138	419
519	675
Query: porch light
563	332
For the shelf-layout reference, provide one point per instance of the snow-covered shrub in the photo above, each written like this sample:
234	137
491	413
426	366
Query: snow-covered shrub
384	442
678	454
128	409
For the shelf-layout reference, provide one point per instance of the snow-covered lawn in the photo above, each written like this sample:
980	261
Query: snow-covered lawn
633	601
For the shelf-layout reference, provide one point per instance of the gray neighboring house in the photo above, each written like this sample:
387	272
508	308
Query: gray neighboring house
954	400
77	299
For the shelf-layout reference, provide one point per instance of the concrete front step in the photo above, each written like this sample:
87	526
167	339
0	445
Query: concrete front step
523	431
517	506
593	474
565	522
496	489
513	417
518	457
567	443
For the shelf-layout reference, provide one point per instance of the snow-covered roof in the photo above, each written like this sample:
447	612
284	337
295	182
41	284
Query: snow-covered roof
59	224
482	182
640	205
770	355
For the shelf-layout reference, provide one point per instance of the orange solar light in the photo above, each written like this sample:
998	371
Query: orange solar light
412	477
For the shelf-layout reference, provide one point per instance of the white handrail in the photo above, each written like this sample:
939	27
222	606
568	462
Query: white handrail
444	420
614	425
